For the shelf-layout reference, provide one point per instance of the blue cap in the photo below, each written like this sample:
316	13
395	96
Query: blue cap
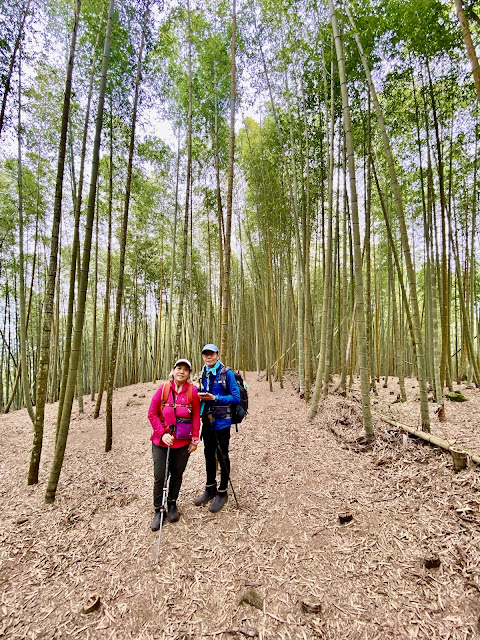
210	347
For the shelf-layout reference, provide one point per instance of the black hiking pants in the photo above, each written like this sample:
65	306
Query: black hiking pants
176	466
212	439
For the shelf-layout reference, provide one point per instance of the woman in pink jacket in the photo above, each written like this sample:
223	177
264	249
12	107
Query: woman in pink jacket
174	414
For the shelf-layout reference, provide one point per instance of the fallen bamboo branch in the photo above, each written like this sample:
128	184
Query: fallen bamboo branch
428	437
275	364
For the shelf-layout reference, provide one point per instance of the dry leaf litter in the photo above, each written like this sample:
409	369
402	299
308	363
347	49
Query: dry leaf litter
278	566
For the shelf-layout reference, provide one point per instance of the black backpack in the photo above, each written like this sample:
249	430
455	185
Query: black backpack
238	411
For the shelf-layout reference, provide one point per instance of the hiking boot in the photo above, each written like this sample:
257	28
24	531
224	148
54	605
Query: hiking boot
155	526
207	495
219	502
173	514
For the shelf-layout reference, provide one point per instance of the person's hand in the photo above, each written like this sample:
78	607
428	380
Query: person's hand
203	395
167	439
192	447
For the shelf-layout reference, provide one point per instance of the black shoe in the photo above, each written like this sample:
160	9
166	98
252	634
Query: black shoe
172	514
156	521
219	502
207	495
155	526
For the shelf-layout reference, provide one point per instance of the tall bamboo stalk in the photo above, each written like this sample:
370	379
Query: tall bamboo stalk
188	181
359	293
327	262
44	359
79	319
123	241
425	418
226	301
21	264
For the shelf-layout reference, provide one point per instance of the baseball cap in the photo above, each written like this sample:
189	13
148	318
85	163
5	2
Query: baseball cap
210	347
183	361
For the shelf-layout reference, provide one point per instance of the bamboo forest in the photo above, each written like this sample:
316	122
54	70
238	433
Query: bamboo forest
295	181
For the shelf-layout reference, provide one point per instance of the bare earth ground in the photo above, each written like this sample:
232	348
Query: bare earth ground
282	549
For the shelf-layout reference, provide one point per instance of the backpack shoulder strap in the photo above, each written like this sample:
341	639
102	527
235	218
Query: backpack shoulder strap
165	393
189	394
223	377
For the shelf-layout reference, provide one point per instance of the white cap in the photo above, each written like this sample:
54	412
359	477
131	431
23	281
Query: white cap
183	361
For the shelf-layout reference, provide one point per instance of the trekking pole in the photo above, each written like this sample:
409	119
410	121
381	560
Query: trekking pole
225	467
164	496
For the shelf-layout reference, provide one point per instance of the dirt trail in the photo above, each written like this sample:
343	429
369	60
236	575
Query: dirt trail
282	550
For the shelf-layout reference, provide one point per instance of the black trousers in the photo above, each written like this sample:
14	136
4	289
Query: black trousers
212	439
176	466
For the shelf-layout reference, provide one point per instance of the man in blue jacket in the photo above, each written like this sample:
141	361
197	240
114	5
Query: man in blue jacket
219	390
